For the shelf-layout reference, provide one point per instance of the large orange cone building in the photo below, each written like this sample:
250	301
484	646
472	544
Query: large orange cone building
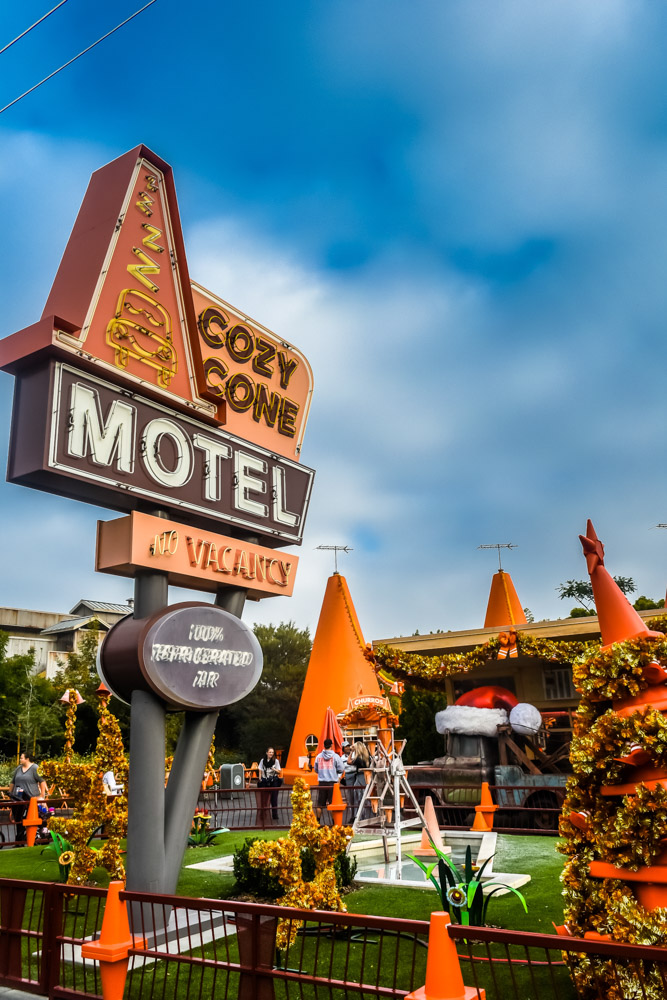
504	607
337	669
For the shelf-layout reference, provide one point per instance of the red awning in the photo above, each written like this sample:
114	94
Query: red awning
331	731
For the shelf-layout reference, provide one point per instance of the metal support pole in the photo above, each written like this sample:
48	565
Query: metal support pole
190	757
180	798
145	850
397	819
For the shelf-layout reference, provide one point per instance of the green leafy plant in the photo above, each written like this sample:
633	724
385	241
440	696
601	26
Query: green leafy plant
462	893
200	835
62	852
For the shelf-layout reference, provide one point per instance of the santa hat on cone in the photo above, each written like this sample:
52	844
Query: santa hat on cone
618	619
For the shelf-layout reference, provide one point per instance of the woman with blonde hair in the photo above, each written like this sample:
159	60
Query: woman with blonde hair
358	760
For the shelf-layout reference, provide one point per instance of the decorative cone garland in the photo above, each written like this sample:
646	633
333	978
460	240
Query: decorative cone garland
615	814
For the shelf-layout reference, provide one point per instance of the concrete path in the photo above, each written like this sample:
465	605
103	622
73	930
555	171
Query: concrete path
8	993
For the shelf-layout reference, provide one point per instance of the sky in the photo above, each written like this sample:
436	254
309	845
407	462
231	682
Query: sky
456	210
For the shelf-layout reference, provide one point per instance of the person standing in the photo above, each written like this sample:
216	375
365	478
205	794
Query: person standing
358	761
328	766
26	783
269	777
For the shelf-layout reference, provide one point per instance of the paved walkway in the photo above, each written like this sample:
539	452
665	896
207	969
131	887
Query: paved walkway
7	993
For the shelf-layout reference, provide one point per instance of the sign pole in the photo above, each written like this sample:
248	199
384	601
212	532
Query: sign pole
194	742
146	797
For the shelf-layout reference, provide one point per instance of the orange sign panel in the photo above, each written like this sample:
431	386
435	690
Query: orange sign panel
266	383
199	560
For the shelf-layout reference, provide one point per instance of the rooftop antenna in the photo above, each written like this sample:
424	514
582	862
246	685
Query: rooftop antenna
502	545
335	549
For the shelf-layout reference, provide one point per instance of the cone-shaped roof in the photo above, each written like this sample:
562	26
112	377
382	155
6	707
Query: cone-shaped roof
337	669
618	619
504	607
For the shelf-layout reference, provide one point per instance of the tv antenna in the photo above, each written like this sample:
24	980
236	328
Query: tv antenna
335	549
499	546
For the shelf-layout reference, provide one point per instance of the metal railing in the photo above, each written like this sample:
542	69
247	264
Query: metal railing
511	964
188	948
271	808
12	812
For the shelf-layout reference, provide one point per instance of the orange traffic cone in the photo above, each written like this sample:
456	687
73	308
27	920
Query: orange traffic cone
112	948
31	822
444	980
337	806
430	833
484	811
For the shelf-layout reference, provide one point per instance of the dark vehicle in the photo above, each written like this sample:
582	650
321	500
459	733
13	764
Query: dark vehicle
527	795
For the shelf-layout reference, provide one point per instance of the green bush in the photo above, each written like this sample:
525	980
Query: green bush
254	881
346	869
258	882
7	768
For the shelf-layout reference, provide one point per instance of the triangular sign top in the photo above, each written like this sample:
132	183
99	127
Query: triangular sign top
123	282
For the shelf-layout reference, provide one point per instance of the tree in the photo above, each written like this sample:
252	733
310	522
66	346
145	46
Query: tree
28	705
417	724
267	716
582	591
646	604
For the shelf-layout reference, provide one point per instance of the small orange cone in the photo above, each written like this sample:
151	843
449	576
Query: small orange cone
31	822
111	950
444	980
337	806
431	830
484	811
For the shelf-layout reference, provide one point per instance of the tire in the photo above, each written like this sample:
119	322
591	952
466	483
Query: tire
539	819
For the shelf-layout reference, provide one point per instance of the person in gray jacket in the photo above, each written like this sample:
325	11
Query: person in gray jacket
328	766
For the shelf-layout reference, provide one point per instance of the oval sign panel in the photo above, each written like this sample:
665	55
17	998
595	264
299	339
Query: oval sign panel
193	656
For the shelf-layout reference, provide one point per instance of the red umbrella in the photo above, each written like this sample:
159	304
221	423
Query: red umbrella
331	731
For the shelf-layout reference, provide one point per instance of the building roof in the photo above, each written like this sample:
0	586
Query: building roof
573	629
115	609
71	625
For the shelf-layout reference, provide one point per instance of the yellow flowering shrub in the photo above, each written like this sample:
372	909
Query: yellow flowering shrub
283	859
92	808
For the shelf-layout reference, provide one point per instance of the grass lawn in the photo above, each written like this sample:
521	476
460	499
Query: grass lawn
536	856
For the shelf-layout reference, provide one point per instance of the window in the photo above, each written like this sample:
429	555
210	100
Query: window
558	684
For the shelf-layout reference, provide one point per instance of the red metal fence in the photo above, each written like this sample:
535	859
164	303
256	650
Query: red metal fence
267	808
271	808
227	949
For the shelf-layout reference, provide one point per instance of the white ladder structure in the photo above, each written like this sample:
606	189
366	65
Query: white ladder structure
387	787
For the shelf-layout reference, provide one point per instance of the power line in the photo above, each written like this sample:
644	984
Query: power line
69	63
23	33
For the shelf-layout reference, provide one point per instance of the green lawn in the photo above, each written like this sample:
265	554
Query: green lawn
536	856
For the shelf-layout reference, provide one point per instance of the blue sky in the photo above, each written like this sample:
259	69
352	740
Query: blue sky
457	210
